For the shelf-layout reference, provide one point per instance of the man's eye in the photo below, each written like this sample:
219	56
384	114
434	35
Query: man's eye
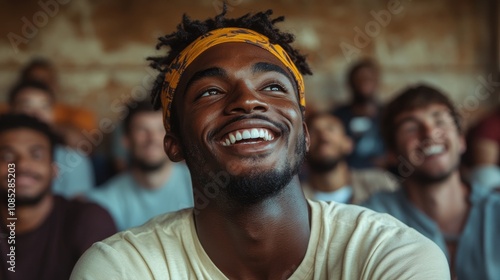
409	128
210	92
274	87
38	155
7	157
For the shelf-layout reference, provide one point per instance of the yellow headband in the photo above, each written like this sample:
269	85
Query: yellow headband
210	39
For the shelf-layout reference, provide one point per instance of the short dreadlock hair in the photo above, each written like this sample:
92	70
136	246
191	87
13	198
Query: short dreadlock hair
189	30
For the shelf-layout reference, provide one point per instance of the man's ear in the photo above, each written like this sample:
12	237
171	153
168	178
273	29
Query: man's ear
54	171
306	135
172	147
348	145
126	142
463	144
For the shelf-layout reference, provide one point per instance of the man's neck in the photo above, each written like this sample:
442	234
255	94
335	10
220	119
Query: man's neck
153	179
338	177
30	218
267	240
447	202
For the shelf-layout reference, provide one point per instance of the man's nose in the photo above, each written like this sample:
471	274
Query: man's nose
430	131
245	99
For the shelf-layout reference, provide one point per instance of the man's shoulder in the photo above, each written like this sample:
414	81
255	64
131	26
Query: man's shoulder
157	230
141	251
354	215
65	154
486	198
75	206
79	216
75	210
352	222
377	242
377	174
385	201
118	184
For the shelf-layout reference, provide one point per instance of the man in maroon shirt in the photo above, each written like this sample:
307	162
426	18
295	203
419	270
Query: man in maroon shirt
42	235
485	151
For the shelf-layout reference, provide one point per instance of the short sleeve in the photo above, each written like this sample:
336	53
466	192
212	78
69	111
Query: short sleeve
101	261
408	255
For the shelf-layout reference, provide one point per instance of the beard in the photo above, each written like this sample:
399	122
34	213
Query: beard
25	201
248	189
426	179
322	166
148	167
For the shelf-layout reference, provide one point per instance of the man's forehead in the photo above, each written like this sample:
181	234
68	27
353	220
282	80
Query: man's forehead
257	59
23	137
430	110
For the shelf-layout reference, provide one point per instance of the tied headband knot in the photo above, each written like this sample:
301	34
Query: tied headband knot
210	39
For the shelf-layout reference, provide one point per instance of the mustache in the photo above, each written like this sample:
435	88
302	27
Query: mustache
283	128
29	173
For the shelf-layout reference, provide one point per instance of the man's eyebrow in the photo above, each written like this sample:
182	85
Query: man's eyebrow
260	67
210	72
4	147
404	120
37	147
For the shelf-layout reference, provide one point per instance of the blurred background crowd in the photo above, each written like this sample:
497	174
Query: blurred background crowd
79	66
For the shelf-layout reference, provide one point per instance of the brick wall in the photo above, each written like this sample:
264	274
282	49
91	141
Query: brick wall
99	47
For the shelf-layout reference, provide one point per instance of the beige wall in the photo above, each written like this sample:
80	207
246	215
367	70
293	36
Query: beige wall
100	47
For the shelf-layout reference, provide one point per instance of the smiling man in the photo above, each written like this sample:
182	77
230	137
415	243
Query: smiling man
422	126
329	177
232	96
51	232
153	184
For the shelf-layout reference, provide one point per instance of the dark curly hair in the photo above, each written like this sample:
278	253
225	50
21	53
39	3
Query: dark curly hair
189	30
11	121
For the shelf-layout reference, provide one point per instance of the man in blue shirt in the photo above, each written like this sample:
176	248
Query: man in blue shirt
75	175
422	129
153	184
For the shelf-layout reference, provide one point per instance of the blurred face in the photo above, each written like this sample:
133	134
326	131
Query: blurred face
365	81
145	141
36	103
329	143
30	151
45	75
429	139
239	114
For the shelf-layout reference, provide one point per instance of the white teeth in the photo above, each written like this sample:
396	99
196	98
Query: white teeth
246	134
253	133
434	149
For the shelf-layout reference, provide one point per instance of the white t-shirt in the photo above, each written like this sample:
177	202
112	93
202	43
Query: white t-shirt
347	242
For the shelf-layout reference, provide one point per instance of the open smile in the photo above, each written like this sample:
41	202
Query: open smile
434	150
247	136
